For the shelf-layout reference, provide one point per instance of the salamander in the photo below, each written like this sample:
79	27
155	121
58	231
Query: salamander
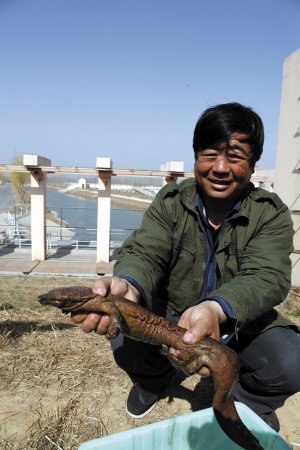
136	322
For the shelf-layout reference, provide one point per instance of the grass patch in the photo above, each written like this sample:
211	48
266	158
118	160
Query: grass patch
60	387
295	314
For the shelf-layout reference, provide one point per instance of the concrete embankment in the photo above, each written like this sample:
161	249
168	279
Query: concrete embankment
129	199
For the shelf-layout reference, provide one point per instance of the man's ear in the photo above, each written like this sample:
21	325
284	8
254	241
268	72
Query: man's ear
252	167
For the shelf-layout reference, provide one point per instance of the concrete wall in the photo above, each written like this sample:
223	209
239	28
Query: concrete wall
287	169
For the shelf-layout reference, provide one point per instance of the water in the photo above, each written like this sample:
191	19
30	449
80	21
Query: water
6	196
81	214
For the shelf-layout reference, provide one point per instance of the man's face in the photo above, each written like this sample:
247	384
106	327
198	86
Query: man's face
224	170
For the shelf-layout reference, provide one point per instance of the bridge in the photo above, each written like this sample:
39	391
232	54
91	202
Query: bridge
39	166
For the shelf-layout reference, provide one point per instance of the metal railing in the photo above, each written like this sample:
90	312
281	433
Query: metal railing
56	239
58	233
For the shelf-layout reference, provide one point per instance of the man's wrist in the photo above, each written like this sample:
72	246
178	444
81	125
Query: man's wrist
142	296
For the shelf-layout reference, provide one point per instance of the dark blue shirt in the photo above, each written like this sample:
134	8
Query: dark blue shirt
210	283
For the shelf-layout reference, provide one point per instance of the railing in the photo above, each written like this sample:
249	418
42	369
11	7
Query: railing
59	234
16	230
56	240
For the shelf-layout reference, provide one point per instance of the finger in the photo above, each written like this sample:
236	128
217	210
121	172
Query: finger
103	325
204	372
194	334
174	351
111	285
90	323
102	286
78	318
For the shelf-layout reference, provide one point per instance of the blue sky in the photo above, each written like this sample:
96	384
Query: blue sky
129	78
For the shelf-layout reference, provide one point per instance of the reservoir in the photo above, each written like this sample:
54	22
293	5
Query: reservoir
81	215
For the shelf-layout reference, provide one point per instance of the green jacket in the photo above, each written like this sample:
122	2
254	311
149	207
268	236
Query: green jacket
166	256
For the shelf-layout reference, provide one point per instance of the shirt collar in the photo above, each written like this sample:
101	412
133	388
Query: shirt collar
201	208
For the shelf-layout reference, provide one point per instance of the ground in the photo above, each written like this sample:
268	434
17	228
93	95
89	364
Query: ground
60	387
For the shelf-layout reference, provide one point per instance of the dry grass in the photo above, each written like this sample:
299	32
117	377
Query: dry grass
51	377
60	387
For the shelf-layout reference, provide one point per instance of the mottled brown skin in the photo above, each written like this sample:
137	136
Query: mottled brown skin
138	323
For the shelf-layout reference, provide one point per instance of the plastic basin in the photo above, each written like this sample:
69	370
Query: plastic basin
194	431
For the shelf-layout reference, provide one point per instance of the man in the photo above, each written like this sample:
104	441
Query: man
213	255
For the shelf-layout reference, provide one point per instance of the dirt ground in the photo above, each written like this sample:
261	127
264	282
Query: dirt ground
60	387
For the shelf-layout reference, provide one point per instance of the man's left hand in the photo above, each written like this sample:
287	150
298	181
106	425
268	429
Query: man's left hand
201	321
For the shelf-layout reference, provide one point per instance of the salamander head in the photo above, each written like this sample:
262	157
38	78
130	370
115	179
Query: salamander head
67	298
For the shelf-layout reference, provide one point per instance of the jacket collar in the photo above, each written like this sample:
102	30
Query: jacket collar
189	197
201	208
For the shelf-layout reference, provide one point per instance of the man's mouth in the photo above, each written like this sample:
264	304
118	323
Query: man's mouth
220	182
219	185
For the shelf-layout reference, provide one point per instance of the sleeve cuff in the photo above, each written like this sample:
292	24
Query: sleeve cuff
227	332
227	308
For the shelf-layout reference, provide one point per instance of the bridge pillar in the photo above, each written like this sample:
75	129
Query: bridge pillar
104	166
175	169
38	205
170	179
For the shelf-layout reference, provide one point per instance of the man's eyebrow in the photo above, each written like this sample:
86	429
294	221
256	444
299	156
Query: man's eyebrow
220	147
214	147
237	147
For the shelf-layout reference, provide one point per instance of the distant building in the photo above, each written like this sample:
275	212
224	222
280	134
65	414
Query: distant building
82	183
172	166
263	178
287	170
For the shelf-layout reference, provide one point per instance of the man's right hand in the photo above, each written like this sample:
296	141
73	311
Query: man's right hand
105	286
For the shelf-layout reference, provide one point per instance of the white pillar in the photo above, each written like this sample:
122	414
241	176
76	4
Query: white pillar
176	169
104	203
38	205
38	215
170	179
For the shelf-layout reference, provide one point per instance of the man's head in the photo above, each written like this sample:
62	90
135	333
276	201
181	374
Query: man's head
228	140
218	123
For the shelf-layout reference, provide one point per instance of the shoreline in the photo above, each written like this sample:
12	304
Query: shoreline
129	204
125	202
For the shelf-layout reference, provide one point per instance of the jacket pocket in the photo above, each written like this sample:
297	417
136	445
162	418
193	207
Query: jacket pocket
233	259
184	277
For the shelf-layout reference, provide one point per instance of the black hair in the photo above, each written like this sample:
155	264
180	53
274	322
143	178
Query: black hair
218	123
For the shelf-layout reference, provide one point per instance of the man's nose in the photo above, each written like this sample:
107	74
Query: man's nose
221	164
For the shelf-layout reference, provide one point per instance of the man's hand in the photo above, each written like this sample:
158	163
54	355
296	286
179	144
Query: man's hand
105	286
201	321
